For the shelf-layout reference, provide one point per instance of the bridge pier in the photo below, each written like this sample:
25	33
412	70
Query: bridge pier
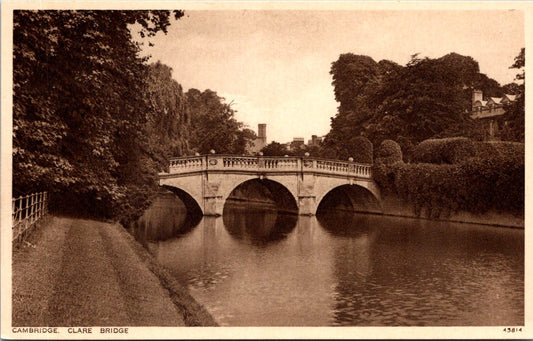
307	205
213	206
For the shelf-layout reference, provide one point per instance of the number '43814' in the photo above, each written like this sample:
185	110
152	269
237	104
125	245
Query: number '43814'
512	329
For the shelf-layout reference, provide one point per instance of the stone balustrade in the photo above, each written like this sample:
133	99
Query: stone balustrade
188	164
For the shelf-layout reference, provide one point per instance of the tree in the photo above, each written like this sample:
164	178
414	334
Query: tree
244	141
512	89
425	98
213	124
352	77
168	123
514	130
275	149
78	105
520	63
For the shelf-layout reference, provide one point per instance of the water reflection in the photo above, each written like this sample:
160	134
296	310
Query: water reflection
347	224
255	267
166	218
418	273
257	226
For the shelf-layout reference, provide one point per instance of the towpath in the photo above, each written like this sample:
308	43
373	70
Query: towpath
80	272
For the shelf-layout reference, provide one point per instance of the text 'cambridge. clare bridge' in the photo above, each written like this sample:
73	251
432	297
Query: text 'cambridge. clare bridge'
205	182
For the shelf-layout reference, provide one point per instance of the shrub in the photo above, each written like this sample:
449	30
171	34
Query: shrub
384	175
362	149
407	147
427	187
448	150
477	185
496	182
508	148
389	152
486	150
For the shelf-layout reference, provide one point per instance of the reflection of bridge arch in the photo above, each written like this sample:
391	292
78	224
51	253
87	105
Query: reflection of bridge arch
210	179
258	226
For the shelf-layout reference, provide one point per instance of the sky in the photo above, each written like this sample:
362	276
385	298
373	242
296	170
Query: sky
273	66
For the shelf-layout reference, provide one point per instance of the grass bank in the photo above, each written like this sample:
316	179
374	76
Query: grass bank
79	272
193	313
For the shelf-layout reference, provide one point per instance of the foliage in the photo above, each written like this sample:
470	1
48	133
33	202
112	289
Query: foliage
512	89
473	129
245	140
485	150
424	98
427	98
520	63
214	126
389	152
448	150
358	147
167	125
79	107
352	76
363	150
492	180
514	130
274	149
428	186
384	175
277	149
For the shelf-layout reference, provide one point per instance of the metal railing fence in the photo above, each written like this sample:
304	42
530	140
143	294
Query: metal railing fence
28	210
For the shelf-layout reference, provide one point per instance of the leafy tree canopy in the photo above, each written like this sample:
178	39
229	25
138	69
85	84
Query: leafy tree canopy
214	125
275	149
78	105
423	99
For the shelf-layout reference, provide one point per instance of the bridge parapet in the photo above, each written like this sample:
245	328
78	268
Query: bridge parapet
188	164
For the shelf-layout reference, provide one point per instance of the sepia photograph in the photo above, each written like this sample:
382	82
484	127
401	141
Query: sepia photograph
264	164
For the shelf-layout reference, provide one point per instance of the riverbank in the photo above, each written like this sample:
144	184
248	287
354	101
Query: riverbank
78	272
393	206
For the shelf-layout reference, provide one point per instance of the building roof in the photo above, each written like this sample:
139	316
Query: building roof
511	97
496	100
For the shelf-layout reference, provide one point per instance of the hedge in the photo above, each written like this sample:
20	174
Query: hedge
389	152
362	149
494	181
448	150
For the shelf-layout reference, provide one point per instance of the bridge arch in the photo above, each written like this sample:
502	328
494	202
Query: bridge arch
211	179
349	197
263	190
192	204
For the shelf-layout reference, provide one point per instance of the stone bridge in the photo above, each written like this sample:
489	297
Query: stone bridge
204	183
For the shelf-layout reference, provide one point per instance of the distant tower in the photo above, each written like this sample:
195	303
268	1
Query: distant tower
261	139
262	131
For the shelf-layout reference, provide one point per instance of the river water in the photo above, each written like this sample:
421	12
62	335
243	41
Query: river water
255	267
